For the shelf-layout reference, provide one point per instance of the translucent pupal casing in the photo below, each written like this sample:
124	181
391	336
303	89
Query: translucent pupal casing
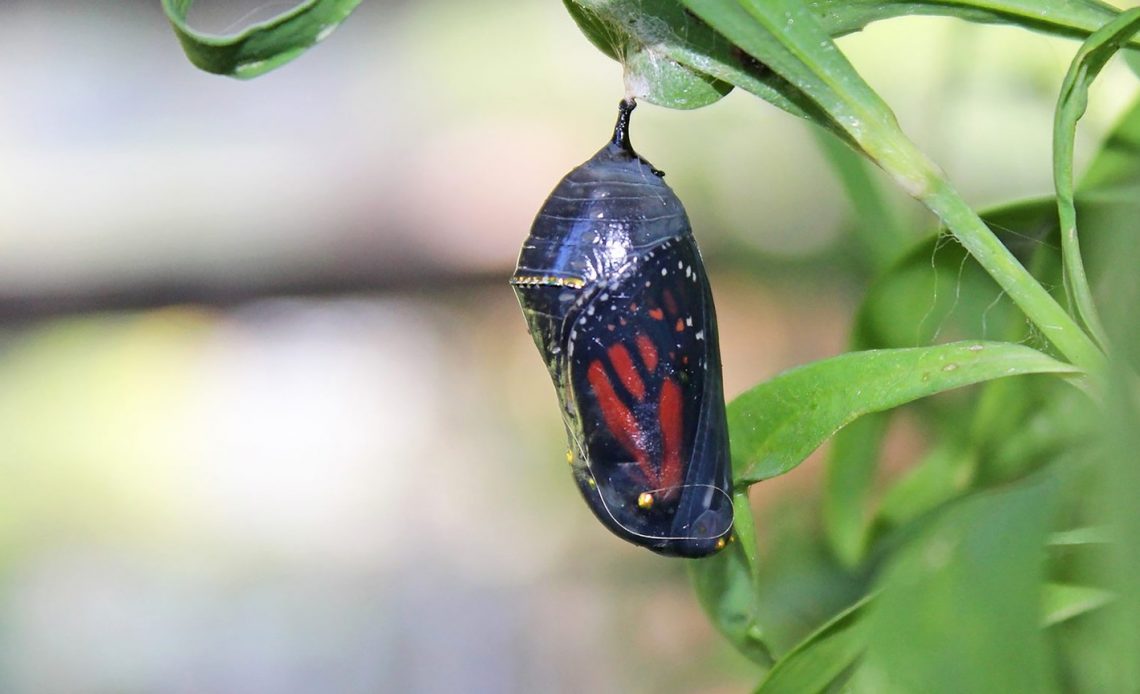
616	297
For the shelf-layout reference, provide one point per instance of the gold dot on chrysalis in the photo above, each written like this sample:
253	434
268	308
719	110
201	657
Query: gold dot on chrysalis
720	543
590	481
645	501
569	457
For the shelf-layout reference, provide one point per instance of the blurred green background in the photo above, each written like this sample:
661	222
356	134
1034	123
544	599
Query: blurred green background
270	420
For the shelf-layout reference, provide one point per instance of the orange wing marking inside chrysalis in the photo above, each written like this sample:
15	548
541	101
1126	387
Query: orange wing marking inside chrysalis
669	416
619	420
623	365
647	351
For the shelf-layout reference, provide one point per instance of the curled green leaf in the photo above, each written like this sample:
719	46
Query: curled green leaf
260	47
1074	99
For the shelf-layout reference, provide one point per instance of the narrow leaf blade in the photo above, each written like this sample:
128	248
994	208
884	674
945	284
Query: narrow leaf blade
849	476
820	659
777	424
1062	601
1077	18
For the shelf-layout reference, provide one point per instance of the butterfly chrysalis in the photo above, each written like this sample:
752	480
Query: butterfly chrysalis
616	297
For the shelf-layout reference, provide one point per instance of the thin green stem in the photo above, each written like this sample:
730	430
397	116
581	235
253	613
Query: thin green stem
1071	105
1025	291
744	530
901	158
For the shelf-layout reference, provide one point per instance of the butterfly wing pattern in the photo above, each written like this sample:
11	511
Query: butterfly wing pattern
618	302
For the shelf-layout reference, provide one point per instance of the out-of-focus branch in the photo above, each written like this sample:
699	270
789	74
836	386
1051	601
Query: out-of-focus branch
20	309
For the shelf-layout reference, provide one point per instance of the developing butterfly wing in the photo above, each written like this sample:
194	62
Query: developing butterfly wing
644	370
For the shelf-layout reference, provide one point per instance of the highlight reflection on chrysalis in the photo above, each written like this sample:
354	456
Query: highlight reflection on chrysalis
615	295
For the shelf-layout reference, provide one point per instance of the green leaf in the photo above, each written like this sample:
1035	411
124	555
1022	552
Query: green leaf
848	478
944	473
1076	18
659	31
785	36
1119	635
1087	64
822	658
1091	535
937	292
665	29
607	37
959	608
650	74
660	80
1043	422
726	586
1062	601
777	424
261	47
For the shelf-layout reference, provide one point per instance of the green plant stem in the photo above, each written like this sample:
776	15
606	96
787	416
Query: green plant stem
887	146
810	61
898	156
1025	291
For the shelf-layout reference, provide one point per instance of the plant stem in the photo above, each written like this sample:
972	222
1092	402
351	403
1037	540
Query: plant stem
1025	291
885	143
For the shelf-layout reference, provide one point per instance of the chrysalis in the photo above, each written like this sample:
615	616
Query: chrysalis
615	295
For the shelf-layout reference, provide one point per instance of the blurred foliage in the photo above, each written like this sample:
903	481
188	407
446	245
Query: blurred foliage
951	578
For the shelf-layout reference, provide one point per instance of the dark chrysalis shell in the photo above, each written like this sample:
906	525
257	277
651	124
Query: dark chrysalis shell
615	294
